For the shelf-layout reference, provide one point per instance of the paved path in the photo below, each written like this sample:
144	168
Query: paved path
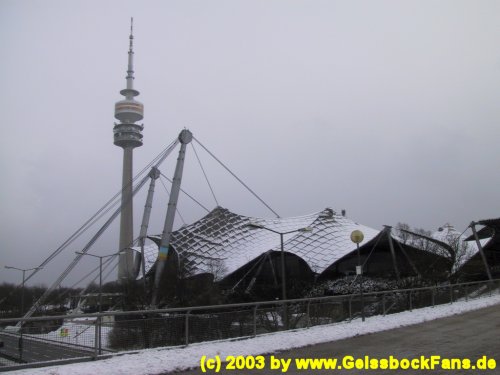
469	335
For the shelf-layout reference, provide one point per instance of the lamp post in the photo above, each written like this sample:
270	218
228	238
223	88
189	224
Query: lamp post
23	270
24	278
283	279
100	287
357	237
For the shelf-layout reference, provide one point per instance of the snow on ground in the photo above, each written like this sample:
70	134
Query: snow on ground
74	331
79	332
161	360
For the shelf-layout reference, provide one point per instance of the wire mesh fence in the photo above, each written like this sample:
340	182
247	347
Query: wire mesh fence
60	338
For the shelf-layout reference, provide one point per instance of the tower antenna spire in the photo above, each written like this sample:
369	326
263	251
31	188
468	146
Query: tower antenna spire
131	37
130	70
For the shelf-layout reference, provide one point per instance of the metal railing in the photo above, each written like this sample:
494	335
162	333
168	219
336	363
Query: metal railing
89	336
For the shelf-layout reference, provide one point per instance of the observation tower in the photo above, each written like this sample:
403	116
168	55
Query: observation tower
128	135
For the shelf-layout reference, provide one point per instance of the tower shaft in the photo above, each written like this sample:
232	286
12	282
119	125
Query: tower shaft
126	262
128	135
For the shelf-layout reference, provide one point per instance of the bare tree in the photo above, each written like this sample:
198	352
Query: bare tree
419	238
217	268
446	242
402	230
458	248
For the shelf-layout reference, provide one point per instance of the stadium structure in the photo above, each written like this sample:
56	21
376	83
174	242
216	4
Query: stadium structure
240	252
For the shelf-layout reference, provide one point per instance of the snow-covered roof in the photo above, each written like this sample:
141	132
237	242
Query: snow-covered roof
490	229
224	240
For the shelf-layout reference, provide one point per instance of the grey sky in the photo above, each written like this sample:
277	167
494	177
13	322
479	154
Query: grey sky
389	109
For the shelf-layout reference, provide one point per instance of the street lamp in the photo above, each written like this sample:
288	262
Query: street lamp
100	285
24	278
357	236
283	279
100	272
23	270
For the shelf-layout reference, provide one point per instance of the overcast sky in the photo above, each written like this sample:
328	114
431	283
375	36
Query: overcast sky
388	109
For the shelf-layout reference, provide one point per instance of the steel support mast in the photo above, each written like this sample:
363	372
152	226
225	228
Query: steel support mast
140	263
185	137
480	248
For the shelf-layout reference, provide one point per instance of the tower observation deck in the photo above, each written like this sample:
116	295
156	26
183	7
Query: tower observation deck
128	135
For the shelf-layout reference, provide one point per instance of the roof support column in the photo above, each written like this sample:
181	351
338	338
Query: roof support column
184	137
480	247
140	263
256	275
393	253
408	259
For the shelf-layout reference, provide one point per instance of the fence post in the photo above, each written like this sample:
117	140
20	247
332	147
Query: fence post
96	336
350	309
451	293
411	304
383	304
466	293
146	330
308	312
255	320
186	331
100	335
433	296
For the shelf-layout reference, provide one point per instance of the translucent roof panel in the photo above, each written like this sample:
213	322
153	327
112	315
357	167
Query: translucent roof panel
222	241
329	240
